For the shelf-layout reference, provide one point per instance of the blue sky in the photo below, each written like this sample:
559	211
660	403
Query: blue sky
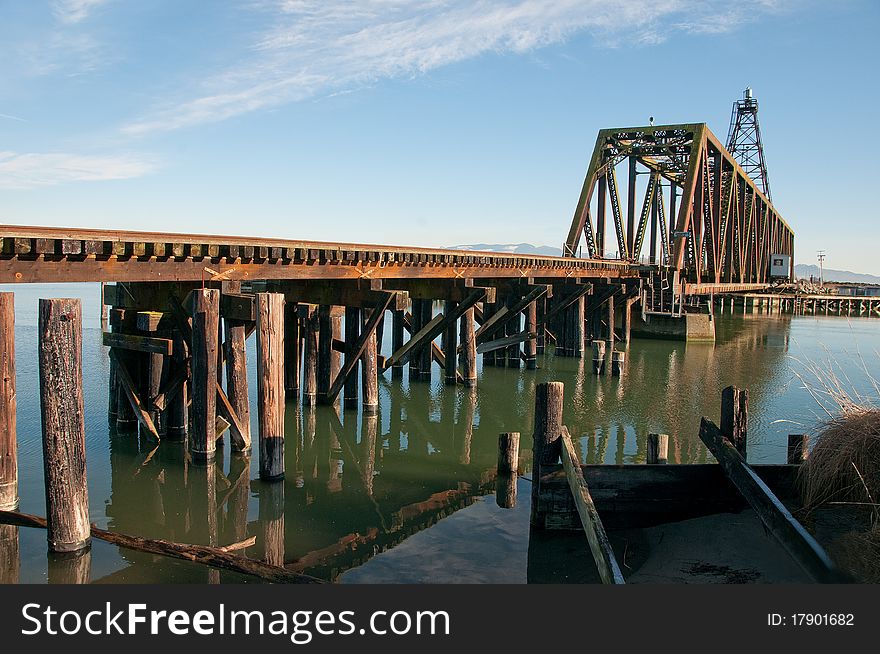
424	123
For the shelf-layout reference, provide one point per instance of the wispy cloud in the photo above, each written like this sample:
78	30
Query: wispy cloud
11	117
34	170
74	11
325	46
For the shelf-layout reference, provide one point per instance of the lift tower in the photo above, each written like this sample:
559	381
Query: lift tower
744	140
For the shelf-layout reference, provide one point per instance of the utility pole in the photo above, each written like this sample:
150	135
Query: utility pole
820	254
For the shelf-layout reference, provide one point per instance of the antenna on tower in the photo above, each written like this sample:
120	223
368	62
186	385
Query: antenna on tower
744	140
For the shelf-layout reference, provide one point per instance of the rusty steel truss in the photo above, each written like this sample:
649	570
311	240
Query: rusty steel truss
700	213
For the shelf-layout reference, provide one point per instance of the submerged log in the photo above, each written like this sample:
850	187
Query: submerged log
215	557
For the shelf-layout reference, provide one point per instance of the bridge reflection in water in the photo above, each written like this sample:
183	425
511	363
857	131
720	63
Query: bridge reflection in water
359	485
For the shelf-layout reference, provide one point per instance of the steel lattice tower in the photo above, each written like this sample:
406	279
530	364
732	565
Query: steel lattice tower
744	140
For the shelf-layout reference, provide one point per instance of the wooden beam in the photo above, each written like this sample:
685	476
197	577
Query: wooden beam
600	547
235	306
564	304
513	310
339	293
437	289
151	344
505	341
434	328
359	346
128	386
491	321
800	545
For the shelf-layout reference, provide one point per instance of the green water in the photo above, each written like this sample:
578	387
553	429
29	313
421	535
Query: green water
407	497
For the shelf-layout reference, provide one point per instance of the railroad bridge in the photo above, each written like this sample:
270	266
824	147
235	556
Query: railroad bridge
182	305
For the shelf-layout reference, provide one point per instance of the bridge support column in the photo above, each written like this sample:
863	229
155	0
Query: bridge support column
468	349
611	319
531	344
512	329
352	329
450	346
427	355
369	371
396	341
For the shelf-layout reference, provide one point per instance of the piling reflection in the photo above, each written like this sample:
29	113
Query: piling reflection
10	556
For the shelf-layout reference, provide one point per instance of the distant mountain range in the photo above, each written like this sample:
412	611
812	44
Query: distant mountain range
801	270
512	248
804	270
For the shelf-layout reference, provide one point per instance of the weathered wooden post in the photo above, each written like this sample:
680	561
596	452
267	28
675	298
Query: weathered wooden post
396	341
64	434
531	345
611	318
546	444
468	349
618	358
512	329
577	328
658	447
310	356
450	346
541	310
369	372
598	357
8	451
798	448
734	416
154	373
270	384
352	330
415	325
427	354
292	350
177	412
325	349
205	326
508	452
336	314
236	379
627	317
489	309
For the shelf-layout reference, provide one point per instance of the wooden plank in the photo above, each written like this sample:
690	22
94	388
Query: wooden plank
358	347
151	344
126	383
800	545
8	440
600	547
491	321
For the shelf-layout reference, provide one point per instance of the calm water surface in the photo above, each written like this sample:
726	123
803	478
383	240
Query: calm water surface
407	497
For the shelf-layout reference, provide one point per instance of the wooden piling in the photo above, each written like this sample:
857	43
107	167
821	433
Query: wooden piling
468	349
489	309
325	351
734	416
540	327
369	374
270	384
531	345
598	357
512	327
627	318
310	358
177	412
125	418
450	346
415	325
546	445
8	451
798	448
426	356
508	452
618	359
577	327
336	314
292	350
154	374
658	447
64	444
505	490
396	341
205	320
236	381
352	330
611	317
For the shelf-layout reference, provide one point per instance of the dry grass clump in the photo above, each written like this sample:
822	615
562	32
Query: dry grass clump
844	465
858	552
